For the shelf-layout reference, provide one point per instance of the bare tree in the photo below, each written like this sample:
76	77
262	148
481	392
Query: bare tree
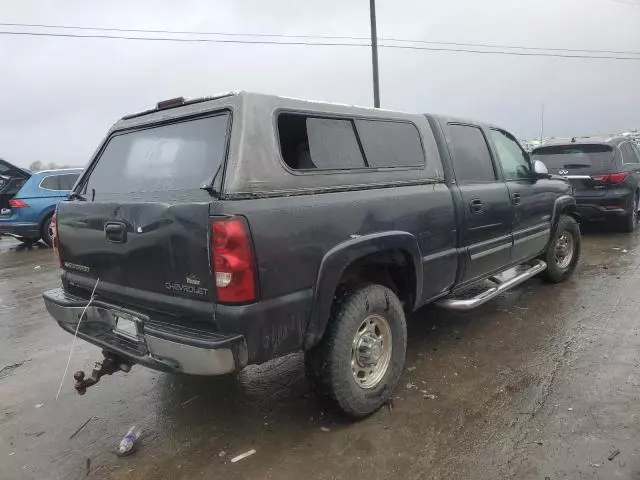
36	166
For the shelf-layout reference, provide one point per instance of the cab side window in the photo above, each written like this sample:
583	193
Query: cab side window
471	158
514	160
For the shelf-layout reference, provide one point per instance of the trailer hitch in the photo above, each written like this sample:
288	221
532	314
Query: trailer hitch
111	364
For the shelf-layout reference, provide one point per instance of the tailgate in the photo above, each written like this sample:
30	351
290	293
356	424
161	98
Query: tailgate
585	186
139	218
579	163
138	247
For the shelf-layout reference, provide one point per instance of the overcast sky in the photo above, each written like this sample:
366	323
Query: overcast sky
58	96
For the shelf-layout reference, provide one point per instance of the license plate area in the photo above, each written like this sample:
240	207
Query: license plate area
126	326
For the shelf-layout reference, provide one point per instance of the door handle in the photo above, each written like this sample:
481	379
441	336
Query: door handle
476	205
115	232
515	198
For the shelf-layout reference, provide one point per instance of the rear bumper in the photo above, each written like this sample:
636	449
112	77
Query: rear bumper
604	207
190	349
270	328
19	229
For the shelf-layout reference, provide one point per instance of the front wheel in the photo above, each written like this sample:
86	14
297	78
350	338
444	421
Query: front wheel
360	358
563	251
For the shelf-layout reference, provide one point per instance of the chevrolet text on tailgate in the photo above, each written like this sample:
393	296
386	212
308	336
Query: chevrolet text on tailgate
210	234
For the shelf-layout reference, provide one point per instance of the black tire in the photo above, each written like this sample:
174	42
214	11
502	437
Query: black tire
630	221
27	240
556	271
329	364
45	232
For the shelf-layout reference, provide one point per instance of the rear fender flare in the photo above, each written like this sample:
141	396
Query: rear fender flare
47	213
339	258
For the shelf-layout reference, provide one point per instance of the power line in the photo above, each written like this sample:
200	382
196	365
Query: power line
328	44
180	32
518	54
626	2
185	40
514	47
322	37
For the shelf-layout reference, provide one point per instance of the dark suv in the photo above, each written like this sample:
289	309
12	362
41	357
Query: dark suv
207	235
605	174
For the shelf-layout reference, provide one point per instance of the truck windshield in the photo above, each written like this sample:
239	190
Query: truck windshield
583	157
177	156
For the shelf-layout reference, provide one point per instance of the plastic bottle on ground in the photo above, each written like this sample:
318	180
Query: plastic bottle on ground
128	441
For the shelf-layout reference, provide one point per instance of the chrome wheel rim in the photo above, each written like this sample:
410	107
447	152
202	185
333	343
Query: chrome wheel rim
371	351
563	252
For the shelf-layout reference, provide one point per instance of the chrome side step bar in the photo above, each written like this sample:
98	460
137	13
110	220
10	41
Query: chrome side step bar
473	302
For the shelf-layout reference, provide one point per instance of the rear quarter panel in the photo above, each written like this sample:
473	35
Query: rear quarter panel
42	202
292	236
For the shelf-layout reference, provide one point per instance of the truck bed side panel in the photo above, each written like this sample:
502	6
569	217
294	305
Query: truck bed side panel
293	234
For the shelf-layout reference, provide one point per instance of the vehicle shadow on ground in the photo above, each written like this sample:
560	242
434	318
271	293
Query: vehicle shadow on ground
594	229
25	246
275	391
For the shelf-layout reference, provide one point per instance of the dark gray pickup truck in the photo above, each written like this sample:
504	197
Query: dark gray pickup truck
210	234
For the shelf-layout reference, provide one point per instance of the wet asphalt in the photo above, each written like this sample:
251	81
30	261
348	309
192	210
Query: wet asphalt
543	382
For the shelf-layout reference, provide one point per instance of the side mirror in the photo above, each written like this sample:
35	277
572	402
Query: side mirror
540	170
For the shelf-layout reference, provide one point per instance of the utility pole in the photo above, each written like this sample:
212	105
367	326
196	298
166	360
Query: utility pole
541	123
374	54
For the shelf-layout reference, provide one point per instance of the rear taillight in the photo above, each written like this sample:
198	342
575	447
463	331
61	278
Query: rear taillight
232	260
54	239
17	203
612	178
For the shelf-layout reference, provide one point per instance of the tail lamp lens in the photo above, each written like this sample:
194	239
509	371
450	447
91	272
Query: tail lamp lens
17	203
612	178
55	242
232	260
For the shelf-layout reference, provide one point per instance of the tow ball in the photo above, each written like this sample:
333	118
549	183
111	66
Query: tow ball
111	364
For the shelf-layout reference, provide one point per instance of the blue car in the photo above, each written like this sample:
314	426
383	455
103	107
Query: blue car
28	200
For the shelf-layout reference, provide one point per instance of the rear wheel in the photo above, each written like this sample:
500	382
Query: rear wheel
26	239
46	231
630	221
360	358
563	251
